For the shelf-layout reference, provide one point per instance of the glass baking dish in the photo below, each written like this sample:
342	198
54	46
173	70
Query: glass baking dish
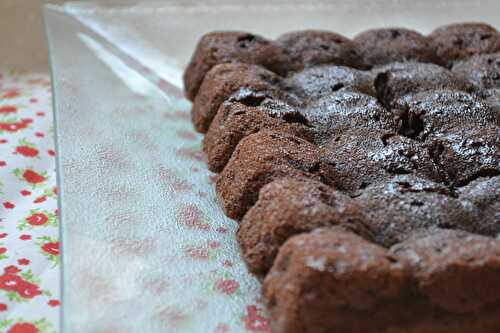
146	247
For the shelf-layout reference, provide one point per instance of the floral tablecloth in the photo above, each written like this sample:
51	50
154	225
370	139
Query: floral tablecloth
29	233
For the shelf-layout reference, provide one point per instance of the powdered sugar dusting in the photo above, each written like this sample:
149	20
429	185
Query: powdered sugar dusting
316	263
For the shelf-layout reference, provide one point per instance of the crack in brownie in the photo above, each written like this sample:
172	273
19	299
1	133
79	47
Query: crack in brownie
365	173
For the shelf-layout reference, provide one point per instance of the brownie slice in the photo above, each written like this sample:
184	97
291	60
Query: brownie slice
222	47
446	265
462	40
468	152
236	120
261	158
222	81
308	48
406	203
362	157
316	82
387	45
437	111
482	71
331	280
483	197
343	110
287	207
492	96
399	79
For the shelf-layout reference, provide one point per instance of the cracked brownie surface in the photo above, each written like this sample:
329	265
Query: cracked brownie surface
364	173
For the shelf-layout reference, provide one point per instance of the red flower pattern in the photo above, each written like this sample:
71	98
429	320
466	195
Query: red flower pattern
33	177
255	322
23	261
8	205
227	263
8	109
13	127
27	151
37	219
11	269
198	253
12	282
23	328
51	248
227	287
10	93
53	302
191	216
40	199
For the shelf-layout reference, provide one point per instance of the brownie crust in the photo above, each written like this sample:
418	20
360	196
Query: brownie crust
287	207
235	120
224	80
463	40
309	48
222	47
387	45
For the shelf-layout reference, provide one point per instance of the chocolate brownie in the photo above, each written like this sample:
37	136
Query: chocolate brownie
290	206
342	110
363	157
462	40
330	280
492	96
235	120
261	158
468	152
308	48
316	82
399	79
387	45
405	203
446	265
365	173
224	80
482	71
438	111
222	47
483	196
